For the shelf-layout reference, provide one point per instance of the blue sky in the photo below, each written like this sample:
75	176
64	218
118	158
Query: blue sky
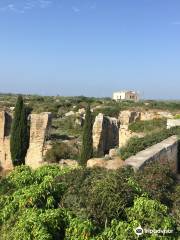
90	47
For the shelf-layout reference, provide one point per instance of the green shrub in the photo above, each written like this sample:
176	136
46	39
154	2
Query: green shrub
135	144
177	116
65	126
146	213
98	194
79	229
176	205
148	126
35	224
33	195
61	150
158	181
86	204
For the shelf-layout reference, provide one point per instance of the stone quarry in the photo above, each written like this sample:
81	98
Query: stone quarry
40	124
105	134
108	134
126	118
5	155
111	132
163	152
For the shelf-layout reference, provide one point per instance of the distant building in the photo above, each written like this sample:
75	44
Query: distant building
126	95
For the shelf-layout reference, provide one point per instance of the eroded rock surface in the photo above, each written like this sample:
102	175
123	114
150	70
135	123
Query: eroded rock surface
40	125
5	126
126	118
113	164
105	134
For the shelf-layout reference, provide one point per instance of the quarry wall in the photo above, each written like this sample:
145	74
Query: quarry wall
40	124
163	152
5	155
105	134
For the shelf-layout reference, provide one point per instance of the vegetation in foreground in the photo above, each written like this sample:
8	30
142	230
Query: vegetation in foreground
88	204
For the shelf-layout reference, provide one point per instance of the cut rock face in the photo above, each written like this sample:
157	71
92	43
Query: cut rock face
40	125
126	118
105	134
5	155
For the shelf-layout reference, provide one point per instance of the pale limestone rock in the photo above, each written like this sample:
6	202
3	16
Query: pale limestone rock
105	134
113	152
81	111
40	124
113	164
173	123
68	163
79	121
126	118
68	114
150	115
96	162
125	135
5	154
12	108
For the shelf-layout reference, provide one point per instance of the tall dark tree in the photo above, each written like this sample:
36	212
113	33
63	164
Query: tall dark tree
19	141
87	141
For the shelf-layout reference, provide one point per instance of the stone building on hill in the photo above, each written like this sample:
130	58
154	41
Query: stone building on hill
126	95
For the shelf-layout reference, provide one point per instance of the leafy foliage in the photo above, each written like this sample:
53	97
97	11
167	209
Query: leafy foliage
176	205
158	181
85	204
31	206
149	214
61	150
88	196
79	229
36	224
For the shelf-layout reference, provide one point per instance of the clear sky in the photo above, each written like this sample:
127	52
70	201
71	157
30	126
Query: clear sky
90	47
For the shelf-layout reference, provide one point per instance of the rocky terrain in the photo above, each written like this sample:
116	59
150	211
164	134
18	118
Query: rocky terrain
62	128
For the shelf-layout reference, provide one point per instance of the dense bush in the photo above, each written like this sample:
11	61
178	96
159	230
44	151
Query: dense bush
98	194
51	203
66	126
61	150
176	204
146	213
135	144
79	229
158	181
148	126
29	204
35	224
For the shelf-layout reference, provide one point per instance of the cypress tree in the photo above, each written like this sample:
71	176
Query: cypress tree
87	141
19	141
